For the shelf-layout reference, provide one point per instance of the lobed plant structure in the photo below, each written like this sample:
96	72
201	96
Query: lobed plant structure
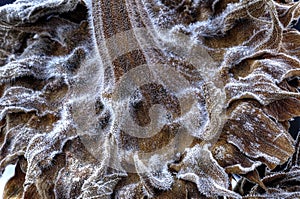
150	98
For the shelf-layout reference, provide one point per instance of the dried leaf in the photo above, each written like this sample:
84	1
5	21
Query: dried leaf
200	167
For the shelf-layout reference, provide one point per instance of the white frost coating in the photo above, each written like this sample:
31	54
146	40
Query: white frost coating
88	3
238	143
194	117
40	67
191	51
279	135
86	88
65	123
201	168
28	11
173	82
205	187
12	109
255	145
265	94
156	173
248	126
128	191
246	169
185	47
220	152
42	144
235	55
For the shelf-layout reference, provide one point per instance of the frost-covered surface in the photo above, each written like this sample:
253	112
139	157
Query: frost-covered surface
157	99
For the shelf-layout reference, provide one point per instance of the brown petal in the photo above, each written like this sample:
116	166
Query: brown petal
200	167
230	158
260	87
283	110
260	138
291	43
288	13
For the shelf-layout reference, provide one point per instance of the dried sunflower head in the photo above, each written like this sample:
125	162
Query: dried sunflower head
161	99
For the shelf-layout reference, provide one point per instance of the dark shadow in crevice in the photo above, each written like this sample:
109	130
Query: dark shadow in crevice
294	127
4	2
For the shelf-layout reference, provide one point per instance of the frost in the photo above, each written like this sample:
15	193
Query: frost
258	87
105	98
23	11
244	169
235	140
220	152
155	176
128	191
39	67
201	168
248	126
102	182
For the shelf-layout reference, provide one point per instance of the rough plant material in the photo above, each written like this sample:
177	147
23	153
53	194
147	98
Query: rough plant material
157	99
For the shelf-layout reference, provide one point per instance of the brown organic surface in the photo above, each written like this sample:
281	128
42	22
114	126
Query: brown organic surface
149	99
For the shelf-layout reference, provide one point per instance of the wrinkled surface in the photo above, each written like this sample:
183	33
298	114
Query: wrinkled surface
158	99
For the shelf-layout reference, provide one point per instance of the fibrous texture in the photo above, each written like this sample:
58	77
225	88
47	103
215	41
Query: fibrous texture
150	99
